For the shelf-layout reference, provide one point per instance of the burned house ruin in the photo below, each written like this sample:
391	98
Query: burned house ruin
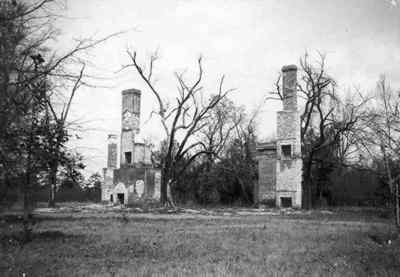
279	161
136	178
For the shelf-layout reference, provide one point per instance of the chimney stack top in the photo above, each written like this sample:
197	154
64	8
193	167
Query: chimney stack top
290	67
131	91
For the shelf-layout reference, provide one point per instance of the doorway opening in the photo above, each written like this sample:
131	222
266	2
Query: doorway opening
128	157
286	150
286	202
120	197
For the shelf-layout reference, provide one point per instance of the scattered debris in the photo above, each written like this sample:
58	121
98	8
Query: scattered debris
191	211
383	239
326	212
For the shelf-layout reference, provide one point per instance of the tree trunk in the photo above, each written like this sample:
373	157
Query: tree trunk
170	201
393	187
243	188
53	184
164	184
26	209
26	204
397	205
307	192
27	184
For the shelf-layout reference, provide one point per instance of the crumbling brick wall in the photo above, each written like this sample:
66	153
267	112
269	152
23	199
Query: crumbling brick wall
266	186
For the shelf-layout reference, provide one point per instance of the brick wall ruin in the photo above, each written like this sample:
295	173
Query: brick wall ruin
279	162
135	178
108	172
265	189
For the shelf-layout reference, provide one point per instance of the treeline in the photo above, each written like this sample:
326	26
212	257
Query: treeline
68	190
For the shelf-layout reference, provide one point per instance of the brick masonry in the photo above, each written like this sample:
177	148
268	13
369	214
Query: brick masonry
112	151
265	189
107	185
280	172
130	122
136	178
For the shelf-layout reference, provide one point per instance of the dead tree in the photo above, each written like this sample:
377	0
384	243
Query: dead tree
241	159
58	135
181	121
223	120
325	122
382	139
30	73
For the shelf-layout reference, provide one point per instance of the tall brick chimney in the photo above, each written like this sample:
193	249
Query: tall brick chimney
288	121
289	162
131	104
130	124
289	83
112	151
108	172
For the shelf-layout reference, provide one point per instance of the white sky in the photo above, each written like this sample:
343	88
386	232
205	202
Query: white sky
248	41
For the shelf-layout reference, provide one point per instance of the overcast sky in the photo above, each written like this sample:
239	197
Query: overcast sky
248	41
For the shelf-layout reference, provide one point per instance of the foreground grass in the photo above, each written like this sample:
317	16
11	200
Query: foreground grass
117	245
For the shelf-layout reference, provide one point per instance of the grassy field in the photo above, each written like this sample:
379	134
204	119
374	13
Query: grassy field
132	244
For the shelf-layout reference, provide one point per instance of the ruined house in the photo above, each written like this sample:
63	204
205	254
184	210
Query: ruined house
279	161
136	178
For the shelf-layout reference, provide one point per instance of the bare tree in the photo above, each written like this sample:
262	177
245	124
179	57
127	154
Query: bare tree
222	122
240	158
181	121
58	135
33	130
382	138
326	125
